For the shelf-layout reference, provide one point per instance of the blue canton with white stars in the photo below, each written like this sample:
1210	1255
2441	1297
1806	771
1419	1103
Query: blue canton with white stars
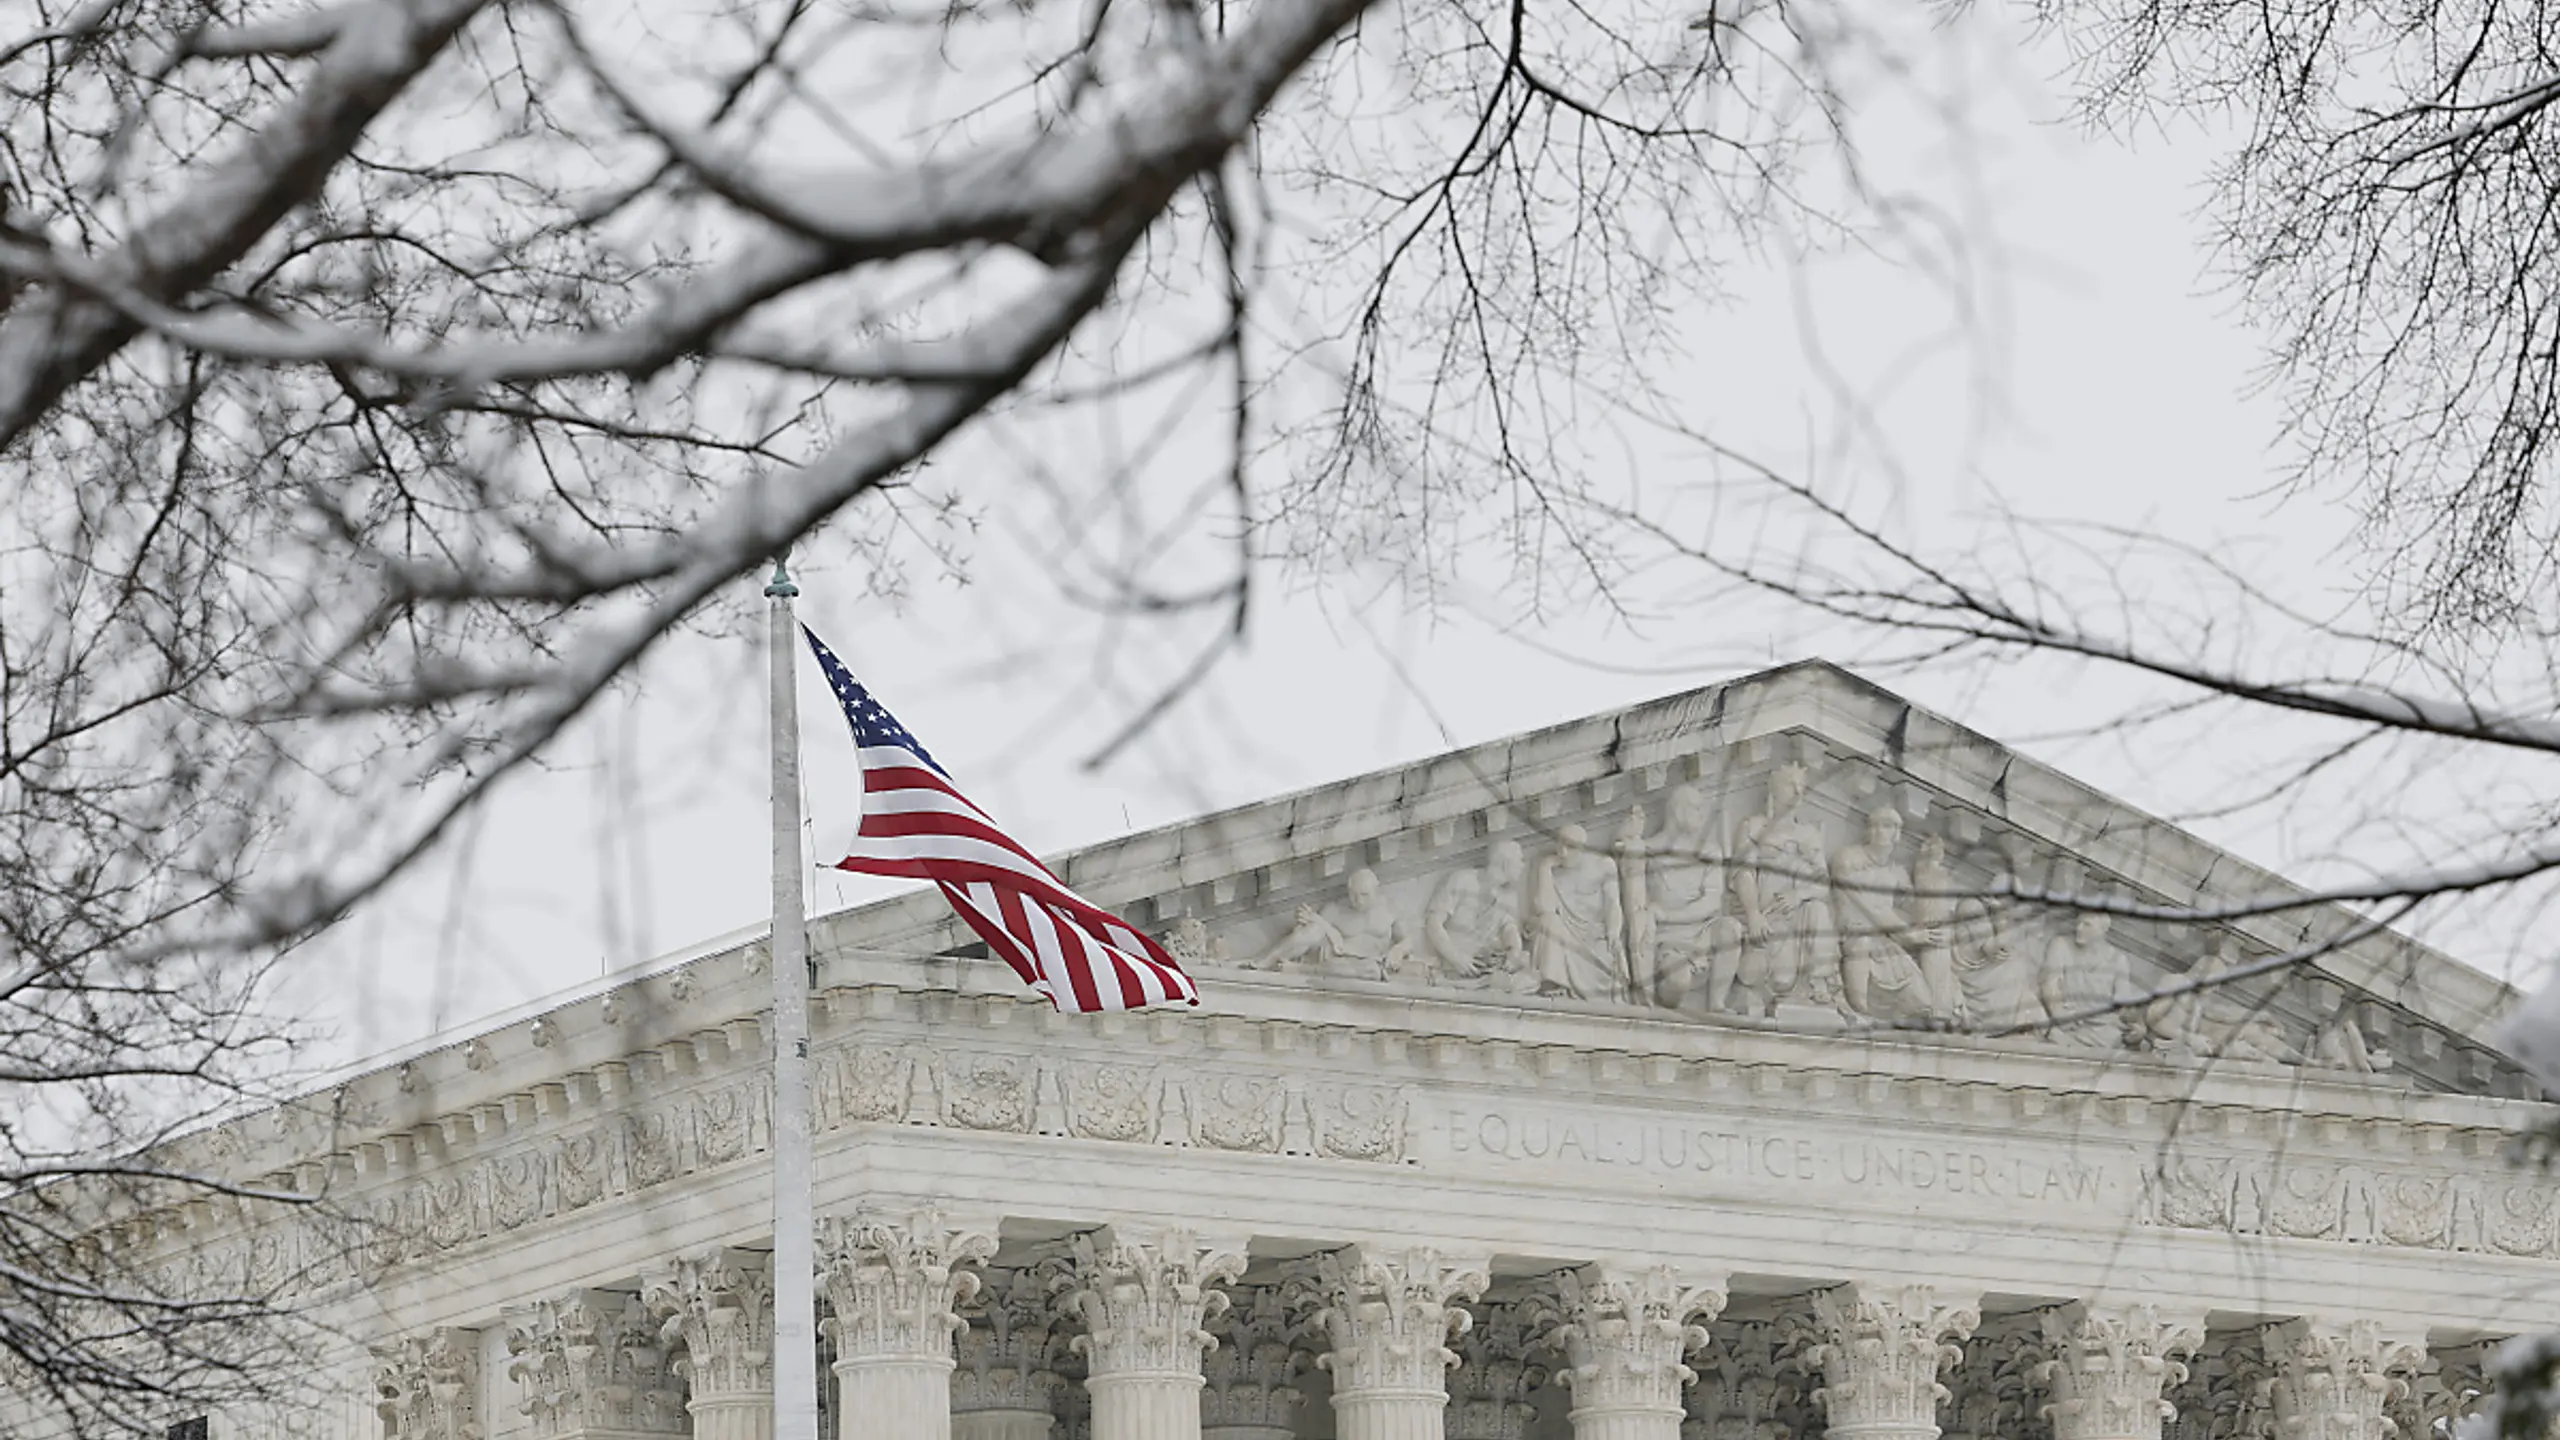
872	722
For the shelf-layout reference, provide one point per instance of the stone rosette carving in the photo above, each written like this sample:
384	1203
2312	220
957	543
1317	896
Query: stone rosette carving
1880	1353
720	1304
1624	1333
1144	1301
2335	1382
1008	1355
427	1387
894	1287
1387	1316
2111	1368
1490	1393
1249	1377
594	1361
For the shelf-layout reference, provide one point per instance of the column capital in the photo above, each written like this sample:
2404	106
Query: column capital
594	1362
1880	1349
1144	1296
1624	1330
721	1303
1750	1387
2334	1381
894	1284
427	1387
2111	1364
1251	1371
1008	1357
1388	1314
1490	1391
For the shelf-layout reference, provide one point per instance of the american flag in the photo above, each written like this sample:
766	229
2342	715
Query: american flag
917	825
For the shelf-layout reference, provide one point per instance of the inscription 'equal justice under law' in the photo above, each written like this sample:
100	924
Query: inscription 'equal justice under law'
1743	1154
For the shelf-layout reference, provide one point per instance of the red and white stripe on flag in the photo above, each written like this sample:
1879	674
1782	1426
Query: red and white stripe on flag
917	825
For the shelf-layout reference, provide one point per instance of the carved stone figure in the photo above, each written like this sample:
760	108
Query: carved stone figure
1933	929
1472	929
1359	939
1995	966
1190	942
1878	977
1784	884
2339	1043
2084	971
1578	922
2214	1022
1682	948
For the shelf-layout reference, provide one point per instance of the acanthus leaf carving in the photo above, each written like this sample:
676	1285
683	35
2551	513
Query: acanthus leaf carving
893	1287
594	1360
427	1387
1624	1333
1145	1300
1387	1316
720	1305
1880	1353
2112	1368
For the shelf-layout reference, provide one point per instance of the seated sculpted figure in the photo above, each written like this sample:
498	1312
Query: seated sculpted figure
1472	929
2217	1022
1879	978
1682	948
1356	940
2084	972
1578	927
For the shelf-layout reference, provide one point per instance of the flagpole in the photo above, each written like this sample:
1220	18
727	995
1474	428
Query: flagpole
795	1341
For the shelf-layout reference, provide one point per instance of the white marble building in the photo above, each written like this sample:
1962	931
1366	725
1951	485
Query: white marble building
1563	1087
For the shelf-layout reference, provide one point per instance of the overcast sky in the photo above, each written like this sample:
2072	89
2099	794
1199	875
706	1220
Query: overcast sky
2095	373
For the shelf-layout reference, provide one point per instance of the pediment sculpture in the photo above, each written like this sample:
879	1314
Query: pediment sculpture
1838	898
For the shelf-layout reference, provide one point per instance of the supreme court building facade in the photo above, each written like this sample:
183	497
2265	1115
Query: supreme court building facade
1636	1079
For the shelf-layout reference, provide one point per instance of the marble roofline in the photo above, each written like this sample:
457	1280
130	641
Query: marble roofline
896	942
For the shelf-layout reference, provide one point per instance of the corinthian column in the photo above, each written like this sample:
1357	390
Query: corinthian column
1249	1394
2110	1367
721	1303
1006	1381
1388	1316
1623	1332
428	1387
1880	1352
1143	1301
2334	1382
893	1293
594	1367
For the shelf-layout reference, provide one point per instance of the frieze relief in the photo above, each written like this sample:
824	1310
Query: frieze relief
2297	1198
1814	893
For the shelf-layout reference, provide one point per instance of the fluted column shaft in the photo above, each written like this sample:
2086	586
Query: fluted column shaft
894	1288
1388	1316
1144	1300
2110	1367
1623	1332
2334	1382
1880	1353
721	1303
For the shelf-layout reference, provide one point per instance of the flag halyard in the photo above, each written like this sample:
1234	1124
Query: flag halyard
917	825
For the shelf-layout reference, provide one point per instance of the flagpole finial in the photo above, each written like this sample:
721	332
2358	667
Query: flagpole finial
780	586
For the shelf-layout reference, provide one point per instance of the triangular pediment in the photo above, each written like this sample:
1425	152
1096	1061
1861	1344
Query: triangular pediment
1797	849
